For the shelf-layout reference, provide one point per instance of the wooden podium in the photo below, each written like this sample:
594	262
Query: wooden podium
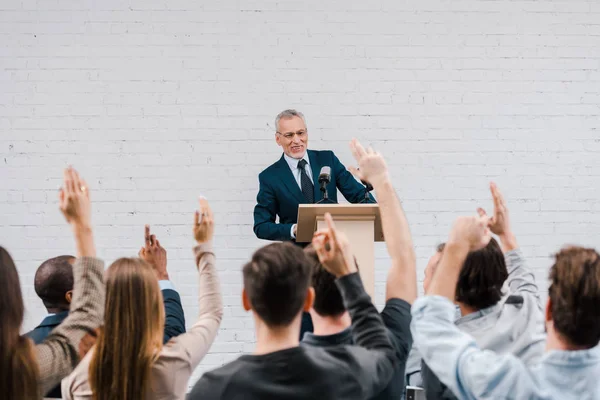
360	222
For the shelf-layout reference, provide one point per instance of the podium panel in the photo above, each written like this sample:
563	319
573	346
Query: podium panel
364	250
360	222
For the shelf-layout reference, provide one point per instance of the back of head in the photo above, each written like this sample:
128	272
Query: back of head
276	281
53	279
328	299
482	276
18	367
575	295
132	335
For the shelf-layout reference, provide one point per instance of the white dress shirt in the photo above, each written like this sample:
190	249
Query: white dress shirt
297	172
293	164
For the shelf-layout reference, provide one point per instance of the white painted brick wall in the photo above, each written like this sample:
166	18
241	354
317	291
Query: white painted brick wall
158	101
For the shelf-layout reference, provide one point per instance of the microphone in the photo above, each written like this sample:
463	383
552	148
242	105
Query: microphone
325	178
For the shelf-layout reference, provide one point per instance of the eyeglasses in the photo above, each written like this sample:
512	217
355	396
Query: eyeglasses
290	135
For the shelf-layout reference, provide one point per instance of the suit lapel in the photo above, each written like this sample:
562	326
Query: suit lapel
316	169
290	181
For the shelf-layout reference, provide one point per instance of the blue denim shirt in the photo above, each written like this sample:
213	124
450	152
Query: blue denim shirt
472	373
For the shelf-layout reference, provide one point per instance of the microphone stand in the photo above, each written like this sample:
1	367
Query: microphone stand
325	199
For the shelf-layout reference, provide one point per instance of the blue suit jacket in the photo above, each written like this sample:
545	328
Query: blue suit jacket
280	195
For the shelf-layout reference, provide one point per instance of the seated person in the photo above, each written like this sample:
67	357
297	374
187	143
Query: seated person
331	319
571	365
53	283
510	322
129	360
277	290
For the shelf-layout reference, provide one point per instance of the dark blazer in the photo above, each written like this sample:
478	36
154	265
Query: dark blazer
174	317
41	332
280	195
174	326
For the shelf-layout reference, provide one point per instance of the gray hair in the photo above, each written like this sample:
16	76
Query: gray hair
288	114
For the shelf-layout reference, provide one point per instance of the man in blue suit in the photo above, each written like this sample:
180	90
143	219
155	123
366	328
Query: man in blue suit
293	180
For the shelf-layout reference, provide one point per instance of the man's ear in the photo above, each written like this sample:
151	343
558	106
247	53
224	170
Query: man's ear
69	296
310	299
245	301
548	310
278	139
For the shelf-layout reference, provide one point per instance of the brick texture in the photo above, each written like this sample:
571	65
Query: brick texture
159	101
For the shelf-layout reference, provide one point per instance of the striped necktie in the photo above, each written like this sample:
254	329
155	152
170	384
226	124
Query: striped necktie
308	189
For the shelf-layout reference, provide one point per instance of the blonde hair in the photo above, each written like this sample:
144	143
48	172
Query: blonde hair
132	336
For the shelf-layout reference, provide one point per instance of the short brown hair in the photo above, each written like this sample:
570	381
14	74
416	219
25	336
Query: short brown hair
482	276
328	299
276	281
575	295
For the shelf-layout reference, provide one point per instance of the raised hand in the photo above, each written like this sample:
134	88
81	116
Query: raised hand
371	165
333	249
154	254
473	232
74	199
203	222
500	221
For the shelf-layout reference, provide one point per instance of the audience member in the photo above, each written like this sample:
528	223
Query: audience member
571	366
155	255
129	360
277	290
29	371
330	317
497	297
53	283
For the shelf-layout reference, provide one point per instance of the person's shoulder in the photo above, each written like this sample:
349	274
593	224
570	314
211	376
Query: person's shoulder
214	383
270	170
396	307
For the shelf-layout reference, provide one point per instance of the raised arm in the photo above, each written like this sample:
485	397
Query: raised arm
68	343
452	355
520	278
155	255
402	276
197	341
373	364
455	359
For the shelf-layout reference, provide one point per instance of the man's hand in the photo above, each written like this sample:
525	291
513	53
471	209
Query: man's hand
333	250
154	254
371	165
500	221
74	200
203	222
472	232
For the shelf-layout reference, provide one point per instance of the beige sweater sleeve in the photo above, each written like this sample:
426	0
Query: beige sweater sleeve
59	353
197	341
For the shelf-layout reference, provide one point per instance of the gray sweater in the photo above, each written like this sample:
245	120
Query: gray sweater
515	325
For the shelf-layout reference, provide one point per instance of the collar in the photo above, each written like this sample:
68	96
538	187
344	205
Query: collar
572	357
54	319
343	337
293	162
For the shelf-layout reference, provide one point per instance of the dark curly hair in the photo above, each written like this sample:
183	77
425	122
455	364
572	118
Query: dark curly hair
481	278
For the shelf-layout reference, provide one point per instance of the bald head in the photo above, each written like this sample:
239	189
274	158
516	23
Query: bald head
54	282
